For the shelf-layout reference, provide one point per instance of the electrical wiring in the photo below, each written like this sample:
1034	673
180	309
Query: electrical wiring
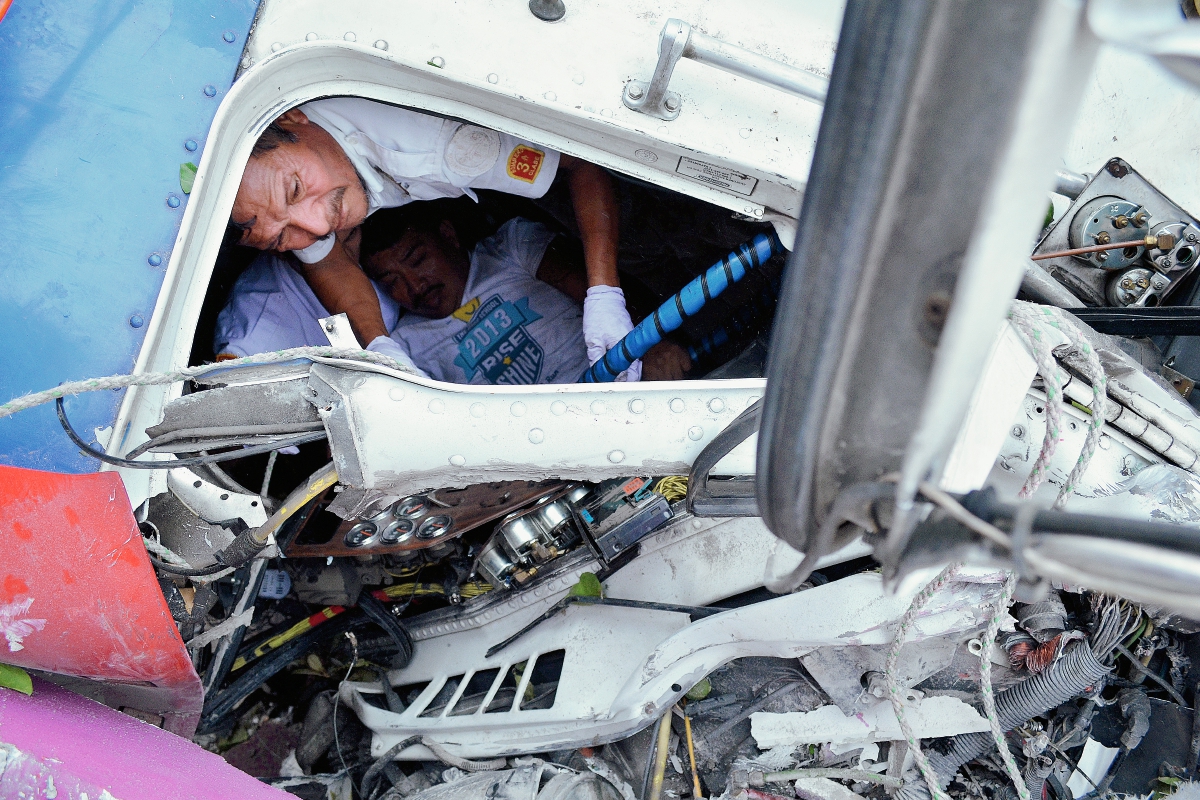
672	487
180	462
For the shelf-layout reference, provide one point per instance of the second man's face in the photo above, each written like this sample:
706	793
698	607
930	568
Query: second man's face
425	272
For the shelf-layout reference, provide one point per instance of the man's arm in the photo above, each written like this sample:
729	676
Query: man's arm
605	318
562	267
341	286
597	216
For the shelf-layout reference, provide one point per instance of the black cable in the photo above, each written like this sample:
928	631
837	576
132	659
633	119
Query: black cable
200	435
180	462
186	572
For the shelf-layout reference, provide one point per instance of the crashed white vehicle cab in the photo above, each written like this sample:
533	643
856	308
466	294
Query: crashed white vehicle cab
894	517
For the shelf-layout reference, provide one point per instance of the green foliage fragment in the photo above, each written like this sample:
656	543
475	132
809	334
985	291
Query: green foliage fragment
187	176
588	586
15	678
700	691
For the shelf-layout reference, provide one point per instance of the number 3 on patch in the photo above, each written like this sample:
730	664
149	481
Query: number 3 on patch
524	163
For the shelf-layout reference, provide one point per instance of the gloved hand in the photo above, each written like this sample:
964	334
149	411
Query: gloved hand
386	346
605	322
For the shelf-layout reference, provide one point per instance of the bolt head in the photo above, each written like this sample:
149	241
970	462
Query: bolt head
1103	238
635	92
229	36
210	91
672	103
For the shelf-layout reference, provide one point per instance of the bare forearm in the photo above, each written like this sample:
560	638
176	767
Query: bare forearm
596	214
342	287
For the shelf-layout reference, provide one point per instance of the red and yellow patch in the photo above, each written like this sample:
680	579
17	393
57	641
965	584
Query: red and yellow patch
524	163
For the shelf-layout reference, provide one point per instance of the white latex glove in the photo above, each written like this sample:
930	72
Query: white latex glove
386	346
605	322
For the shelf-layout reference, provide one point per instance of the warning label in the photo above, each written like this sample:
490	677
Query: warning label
713	175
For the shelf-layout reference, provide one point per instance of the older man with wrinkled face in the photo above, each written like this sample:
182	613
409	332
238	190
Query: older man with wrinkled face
319	170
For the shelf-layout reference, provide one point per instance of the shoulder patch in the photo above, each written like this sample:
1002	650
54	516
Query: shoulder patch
525	162
466	310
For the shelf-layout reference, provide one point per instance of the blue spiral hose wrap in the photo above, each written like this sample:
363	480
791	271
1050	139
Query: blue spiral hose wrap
683	304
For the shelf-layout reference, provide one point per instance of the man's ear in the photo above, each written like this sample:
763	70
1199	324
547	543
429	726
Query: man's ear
293	117
449	234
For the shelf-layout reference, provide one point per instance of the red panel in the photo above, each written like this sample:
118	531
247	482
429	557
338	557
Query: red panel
78	595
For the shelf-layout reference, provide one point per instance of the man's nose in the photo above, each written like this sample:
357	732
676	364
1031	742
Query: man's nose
311	217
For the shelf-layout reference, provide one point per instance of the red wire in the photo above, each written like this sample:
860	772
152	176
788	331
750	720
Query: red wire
4	6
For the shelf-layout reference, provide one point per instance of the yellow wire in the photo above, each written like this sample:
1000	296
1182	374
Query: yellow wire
672	487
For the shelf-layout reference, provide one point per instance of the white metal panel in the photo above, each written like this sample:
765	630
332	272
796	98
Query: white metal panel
578	66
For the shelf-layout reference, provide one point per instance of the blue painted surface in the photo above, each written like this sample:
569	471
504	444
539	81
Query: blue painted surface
98	100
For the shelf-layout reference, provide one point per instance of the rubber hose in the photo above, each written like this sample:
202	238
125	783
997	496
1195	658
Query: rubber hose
681	305
1072	675
392	626
1035	776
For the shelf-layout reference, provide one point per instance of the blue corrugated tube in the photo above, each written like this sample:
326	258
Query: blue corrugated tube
683	304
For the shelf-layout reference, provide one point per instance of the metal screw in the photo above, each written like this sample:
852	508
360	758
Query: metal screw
190	145
672	103
172	201
1140	219
229	36
210	91
1191	237
635	92
1120	221
1103	238
136	321
155	260
1102	256
1166	263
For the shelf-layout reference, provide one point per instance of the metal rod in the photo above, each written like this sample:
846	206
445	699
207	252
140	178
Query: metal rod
1149	241
744	63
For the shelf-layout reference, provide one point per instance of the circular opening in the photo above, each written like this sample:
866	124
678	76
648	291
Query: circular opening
1039	409
1184	254
1151	301
1129	252
360	534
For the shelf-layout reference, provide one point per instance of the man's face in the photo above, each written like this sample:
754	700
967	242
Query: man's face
298	193
425	272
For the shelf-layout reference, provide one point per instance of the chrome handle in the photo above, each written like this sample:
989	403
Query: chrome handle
678	40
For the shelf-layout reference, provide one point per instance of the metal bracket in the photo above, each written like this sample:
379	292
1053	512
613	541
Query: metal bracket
734	498
678	40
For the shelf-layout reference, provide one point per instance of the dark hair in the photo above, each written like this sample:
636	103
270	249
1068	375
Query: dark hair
385	227
272	137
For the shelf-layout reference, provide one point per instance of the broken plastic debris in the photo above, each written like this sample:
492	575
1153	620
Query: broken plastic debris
932	718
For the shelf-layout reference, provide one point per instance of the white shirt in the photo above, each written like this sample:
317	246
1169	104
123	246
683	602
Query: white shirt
511	329
271	308
403	155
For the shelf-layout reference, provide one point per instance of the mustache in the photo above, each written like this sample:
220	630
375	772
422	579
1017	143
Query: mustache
336	203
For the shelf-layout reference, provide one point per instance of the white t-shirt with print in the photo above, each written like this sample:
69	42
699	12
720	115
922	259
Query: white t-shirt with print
271	308
404	155
511	329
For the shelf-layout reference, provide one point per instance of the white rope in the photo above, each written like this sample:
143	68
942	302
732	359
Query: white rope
1094	371
190	373
985	680
1025	321
164	552
893	682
